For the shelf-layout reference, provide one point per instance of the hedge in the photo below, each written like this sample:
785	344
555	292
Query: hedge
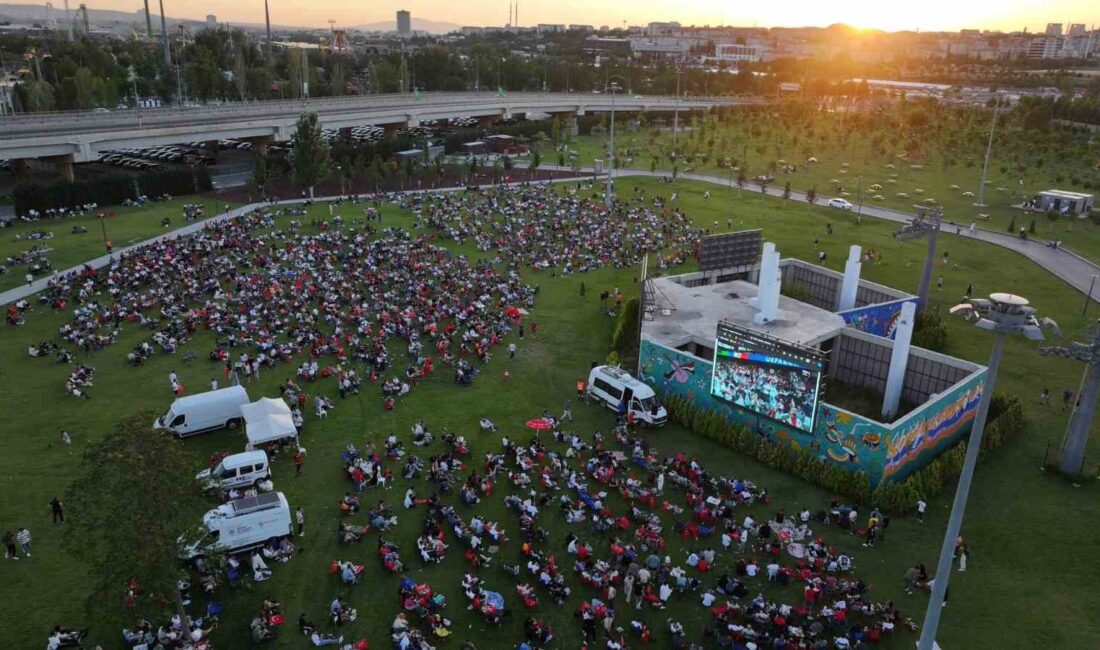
1005	420
109	189
624	336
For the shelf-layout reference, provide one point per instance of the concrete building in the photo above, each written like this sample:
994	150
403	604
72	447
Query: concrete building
735	53
1049	47
1054	29
662	29
660	48
211	21
587	29
1077	29
404	22
549	28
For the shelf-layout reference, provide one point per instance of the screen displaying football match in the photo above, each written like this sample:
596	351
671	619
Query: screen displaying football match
767	376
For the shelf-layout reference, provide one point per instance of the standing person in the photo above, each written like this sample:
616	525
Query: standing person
922	506
939	283
174	381
582	288
521	330
297	419
567	412
1044	396
300	518
1067	398
214	384
24	539
969	290
65	438
9	546
964	554
534	329
298	458
580	390
512	347
58	510
628	587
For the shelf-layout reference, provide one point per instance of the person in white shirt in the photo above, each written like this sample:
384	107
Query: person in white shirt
752	569
921	507
709	598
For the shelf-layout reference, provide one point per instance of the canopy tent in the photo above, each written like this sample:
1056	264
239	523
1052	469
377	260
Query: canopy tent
267	419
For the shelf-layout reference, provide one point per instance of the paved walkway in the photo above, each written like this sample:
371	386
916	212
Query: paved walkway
1070	267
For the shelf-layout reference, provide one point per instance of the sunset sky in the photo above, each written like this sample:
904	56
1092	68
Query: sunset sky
926	15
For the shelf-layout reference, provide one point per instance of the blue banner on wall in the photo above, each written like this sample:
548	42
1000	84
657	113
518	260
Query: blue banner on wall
880	319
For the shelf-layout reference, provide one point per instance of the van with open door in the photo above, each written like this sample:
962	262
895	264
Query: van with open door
203	412
612	386
244	524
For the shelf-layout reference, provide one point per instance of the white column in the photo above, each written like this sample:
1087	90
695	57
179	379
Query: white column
767	289
850	286
899	360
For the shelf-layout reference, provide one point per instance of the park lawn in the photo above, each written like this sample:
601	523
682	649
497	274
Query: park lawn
1003	188
1021	526
128	226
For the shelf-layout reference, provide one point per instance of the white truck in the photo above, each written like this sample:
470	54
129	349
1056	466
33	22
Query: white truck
616	389
202	412
246	523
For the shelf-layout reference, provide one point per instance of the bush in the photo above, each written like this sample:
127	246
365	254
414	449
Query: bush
930	331
109	189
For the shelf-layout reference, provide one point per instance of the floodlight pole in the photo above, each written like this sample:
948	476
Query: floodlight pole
1088	296
608	194
962	492
676	111
926	273
988	150
1072	453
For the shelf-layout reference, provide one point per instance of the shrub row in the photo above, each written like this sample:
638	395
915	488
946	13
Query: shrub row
1005	420
109	189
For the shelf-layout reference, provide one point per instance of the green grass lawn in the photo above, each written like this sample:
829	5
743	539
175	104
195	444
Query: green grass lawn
128	226
848	153
1029	584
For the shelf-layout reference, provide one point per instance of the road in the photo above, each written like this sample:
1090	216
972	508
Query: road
1070	267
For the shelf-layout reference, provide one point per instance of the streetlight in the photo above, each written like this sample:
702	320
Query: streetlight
477	74
1072	452
1088	296
499	66
859	193
607	197
988	150
1008	314
676	111
926	223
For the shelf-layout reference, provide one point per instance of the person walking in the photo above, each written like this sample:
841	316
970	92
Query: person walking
582	288
65	438
567	412
512	349
922	506
9	546
24	539
174	381
964	554
298	458
300	518
58	510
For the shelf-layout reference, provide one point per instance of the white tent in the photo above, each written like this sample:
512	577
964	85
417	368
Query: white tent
267	419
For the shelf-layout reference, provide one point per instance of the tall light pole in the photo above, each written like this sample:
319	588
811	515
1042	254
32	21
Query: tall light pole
1088	296
676	111
859	196
1010	314
477	74
988	151
164	38
267	22
608	196
925	224
1072	453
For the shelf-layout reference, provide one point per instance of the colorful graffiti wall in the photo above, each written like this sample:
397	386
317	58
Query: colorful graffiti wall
884	452
880	319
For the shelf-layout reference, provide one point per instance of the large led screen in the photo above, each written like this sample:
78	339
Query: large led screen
775	379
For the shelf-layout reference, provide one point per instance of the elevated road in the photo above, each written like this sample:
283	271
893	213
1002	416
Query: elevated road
80	136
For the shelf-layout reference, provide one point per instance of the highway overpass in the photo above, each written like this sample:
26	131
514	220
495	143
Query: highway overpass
69	137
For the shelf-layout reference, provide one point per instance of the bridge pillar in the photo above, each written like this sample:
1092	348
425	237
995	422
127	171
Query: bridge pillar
392	129
259	144
64	166
211	147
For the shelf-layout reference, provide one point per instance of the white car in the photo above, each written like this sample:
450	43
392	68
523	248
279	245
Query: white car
839	203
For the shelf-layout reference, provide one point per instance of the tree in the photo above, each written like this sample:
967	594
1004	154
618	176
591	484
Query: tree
811	196
261	174
763	183
741	178
1012	225
311	153
555	130
133	500
536	160
787	191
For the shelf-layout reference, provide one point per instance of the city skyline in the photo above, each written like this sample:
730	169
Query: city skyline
931	15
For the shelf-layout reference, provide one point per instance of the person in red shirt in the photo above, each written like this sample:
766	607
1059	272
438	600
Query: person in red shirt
298	458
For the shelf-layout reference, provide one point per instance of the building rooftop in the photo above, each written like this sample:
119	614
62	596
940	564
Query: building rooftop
696	311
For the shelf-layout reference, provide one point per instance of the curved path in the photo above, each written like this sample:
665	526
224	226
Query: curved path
1070	267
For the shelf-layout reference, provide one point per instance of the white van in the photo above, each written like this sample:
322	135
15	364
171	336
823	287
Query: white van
242	470
247	523
611	385
204	412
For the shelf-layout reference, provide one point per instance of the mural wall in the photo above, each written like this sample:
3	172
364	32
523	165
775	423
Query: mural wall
884	452
880	319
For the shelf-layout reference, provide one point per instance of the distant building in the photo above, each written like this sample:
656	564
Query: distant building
582	28
1076	29
1045	48
660	48
1054	29
662	29
211	21
549	28
734	53
471	31
404	22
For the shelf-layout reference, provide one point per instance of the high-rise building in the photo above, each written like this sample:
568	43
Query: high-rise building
404	22
1077	29
1054	29
211	21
